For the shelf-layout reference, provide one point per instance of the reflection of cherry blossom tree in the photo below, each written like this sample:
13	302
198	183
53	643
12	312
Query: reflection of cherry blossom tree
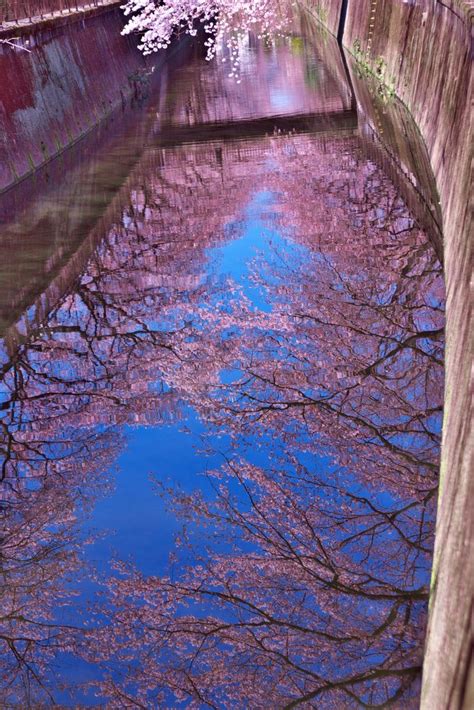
381	326
288	614
313	587
41	556
98	361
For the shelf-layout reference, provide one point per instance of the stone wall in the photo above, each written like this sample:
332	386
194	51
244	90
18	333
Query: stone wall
420	50
78	69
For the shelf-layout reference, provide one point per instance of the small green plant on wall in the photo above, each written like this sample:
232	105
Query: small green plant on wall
321	11
374	68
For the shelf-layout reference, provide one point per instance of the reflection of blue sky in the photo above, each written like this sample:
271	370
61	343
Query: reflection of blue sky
140	526
281	99
256	233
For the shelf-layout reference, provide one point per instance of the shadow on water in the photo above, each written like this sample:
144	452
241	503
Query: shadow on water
222	378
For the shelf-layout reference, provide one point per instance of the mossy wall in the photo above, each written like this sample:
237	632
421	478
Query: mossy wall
327	12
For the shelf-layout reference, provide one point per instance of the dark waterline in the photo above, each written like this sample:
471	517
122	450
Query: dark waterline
221	323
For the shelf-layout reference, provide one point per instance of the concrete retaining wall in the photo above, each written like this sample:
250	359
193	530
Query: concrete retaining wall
78	70
328	12
421	50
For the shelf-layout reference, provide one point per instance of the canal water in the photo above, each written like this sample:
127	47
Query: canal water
222	378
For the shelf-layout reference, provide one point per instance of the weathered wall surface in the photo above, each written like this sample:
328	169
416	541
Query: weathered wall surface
422	50
327	11
79	69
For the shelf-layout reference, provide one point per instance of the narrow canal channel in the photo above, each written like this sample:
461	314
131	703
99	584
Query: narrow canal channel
221	399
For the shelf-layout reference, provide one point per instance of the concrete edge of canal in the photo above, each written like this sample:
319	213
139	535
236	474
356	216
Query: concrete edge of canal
422	51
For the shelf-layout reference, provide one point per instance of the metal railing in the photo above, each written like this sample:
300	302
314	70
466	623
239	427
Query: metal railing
20	11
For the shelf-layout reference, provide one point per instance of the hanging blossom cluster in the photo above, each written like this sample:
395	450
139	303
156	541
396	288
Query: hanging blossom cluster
225	22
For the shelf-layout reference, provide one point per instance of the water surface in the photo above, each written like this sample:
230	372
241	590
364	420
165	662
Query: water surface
222	373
